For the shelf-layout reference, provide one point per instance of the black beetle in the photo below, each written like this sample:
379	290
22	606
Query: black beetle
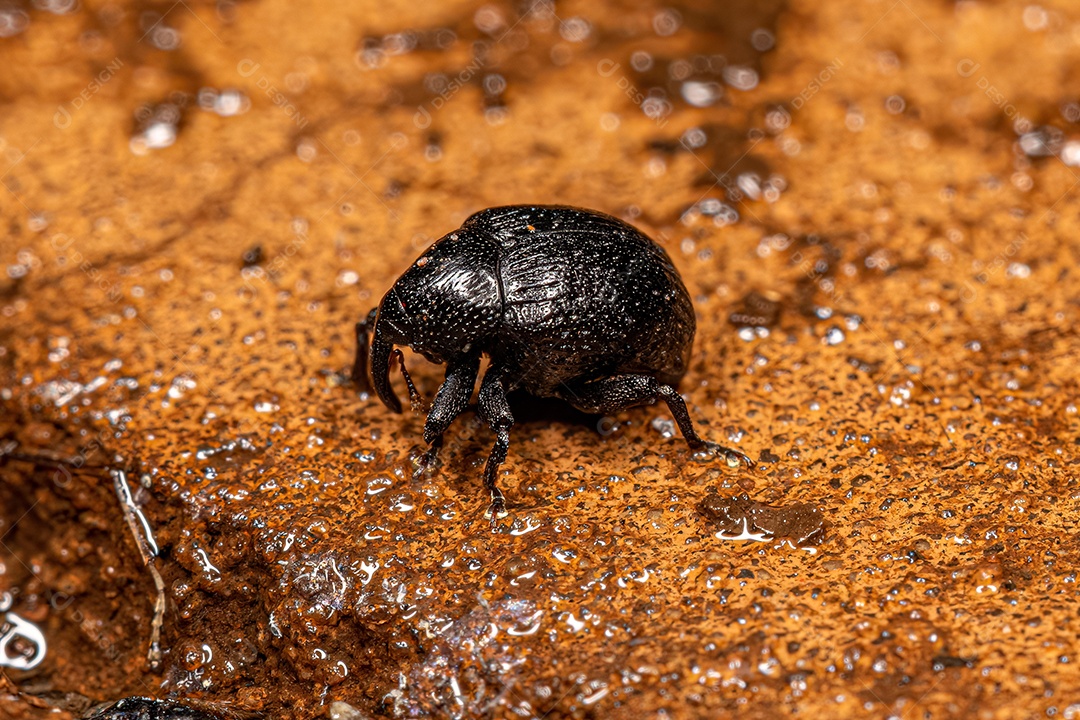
565	302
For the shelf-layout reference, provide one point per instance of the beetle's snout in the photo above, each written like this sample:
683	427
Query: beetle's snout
387	333
380	372
371	368
363	351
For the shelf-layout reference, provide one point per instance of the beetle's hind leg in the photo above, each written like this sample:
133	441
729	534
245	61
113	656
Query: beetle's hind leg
610	395
451	399
495	410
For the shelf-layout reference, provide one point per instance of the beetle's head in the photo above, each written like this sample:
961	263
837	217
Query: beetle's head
442	307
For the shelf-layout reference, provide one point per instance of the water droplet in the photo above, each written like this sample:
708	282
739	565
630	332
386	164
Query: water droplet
37	222
494	84
226	103
1036	18
164	37
306	150
693	138
701	94
740	77
894	104
656	107
575	29
664	426
749	184
1041	142
1070	153
1018	270
667	22
762	40
609	122
833	336
379	484
641	61
489	19
156	136
13	21
343	711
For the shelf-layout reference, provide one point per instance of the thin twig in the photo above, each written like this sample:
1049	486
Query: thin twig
148	549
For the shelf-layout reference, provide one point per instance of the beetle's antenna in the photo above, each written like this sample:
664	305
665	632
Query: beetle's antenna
363	352
419	406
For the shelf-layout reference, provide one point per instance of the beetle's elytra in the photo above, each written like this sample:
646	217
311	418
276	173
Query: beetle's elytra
565	302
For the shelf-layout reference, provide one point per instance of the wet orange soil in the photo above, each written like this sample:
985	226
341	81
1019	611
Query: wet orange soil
906	246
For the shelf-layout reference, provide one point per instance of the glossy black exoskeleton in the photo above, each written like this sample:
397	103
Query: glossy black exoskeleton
566	303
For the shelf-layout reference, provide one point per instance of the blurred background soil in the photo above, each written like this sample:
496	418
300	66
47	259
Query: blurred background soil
201	199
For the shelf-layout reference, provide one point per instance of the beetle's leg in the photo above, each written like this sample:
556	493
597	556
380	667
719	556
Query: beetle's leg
416	400
452	397
613	394
495	410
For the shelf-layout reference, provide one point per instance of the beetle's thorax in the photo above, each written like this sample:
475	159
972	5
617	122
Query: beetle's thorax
448	301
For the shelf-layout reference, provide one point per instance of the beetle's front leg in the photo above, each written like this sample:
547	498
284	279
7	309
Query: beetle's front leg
452	397
495	410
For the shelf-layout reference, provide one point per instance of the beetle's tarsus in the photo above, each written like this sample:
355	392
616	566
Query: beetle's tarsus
428	460
734	457
497	509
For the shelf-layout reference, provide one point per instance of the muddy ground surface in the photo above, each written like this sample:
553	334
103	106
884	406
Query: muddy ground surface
200	200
